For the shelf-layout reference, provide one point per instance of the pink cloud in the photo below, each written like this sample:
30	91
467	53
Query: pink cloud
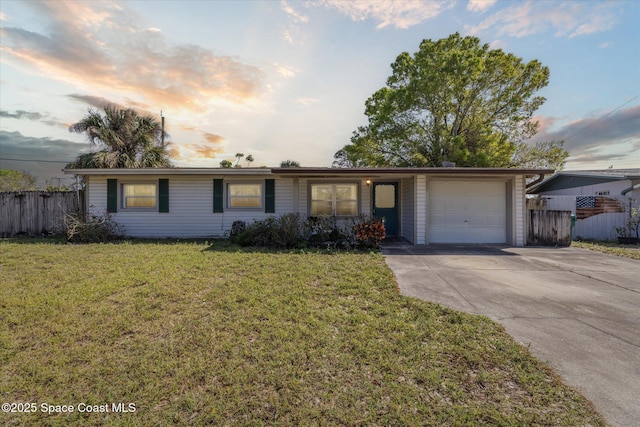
98	45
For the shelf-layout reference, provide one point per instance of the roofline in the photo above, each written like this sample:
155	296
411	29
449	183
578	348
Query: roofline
611	176
170	171
310	171
410	171
583	174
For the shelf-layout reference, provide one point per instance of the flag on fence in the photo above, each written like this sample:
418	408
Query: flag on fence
587	206
585	202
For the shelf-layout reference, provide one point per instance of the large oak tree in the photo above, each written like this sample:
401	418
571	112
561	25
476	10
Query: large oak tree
454	100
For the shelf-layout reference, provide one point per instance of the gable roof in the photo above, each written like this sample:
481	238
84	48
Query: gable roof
571	179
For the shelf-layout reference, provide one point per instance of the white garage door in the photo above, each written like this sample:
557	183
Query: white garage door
467	212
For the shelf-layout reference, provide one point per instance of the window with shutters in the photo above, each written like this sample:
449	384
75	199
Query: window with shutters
139	195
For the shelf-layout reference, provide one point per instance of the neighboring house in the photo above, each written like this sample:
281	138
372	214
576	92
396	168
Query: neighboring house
422	205
601	200
607	182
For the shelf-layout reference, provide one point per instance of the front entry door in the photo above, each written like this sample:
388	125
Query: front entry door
385	205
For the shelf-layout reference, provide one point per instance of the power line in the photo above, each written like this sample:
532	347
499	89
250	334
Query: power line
600	118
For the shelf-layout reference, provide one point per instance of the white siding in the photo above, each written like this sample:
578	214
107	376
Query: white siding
519	203
190	207
303	204
421	217
284	196
365	197
96	195
407	207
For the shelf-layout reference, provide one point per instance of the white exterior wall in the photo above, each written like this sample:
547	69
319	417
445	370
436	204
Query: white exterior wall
519	211
190	206
421	212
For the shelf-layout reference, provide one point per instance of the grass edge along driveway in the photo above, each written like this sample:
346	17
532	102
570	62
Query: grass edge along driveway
199	333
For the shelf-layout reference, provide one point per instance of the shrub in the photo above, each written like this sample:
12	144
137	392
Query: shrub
94	229
326	230
288	231
370	232
276	232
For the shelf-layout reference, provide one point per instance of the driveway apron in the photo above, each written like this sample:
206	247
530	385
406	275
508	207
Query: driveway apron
575	309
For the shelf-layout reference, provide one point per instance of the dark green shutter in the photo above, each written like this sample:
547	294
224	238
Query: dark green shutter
163	195
270	196
218	200
112	195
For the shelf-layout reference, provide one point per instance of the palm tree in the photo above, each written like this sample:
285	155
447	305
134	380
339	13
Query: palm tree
289	164
126	139
239	156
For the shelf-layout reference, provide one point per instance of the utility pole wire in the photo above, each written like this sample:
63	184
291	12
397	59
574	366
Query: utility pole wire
600	118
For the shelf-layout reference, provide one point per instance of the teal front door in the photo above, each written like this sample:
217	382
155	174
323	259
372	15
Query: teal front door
385	205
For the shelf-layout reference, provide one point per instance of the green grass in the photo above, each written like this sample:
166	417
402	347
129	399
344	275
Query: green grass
612	248
195	333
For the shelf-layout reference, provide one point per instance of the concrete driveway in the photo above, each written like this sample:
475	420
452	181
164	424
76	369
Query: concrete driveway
577	310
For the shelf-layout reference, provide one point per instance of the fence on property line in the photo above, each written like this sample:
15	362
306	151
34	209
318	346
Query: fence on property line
36	213
595	217
549	228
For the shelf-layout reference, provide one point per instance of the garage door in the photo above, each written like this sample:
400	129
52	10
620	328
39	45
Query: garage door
467	212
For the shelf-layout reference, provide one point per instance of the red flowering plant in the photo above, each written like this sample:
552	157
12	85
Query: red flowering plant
370	232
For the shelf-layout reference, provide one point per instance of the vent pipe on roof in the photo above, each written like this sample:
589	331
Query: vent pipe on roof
446	164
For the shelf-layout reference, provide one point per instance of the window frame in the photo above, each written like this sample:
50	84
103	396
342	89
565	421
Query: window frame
334	199
228	196
123	196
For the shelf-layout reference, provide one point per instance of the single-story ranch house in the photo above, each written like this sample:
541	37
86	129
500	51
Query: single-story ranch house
607	182
421	205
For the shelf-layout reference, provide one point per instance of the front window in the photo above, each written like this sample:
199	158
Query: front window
244	196
139	196
334	199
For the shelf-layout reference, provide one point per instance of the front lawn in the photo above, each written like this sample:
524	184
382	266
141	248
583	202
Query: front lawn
194	333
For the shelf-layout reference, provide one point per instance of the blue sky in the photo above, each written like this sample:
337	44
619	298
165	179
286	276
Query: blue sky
287	79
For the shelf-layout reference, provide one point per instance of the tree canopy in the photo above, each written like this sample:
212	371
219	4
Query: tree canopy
125	138
12	180
454	100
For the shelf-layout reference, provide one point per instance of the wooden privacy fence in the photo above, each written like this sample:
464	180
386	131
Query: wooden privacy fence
549	228
37	212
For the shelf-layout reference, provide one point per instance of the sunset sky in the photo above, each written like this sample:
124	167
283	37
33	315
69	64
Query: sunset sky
288	80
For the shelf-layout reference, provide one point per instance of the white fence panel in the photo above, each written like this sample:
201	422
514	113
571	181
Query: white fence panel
599	227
